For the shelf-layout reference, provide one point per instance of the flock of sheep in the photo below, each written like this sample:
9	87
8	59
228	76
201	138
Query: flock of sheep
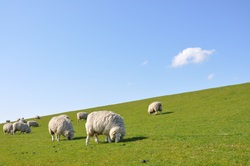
105	123
21	125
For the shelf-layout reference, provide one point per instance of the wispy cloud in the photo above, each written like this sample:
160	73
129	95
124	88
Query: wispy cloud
191	55
144	63
210	76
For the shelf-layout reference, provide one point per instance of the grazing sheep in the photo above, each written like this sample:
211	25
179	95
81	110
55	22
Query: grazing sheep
106	123
22	120
81	115
33	123
22	127
155	107
37	117
61	125
7	128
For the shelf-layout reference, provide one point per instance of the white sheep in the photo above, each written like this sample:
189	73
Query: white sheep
155	107
22	127
81	115
7	128
37	117
22	120
32	123
61	125
106	123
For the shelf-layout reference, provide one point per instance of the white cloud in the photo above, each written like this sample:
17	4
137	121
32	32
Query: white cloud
191	55
145	63
210	76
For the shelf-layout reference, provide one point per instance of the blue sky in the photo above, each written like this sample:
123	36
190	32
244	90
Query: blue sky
58	56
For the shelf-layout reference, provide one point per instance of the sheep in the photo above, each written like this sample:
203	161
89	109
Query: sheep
37	117
106	123
22	127
22	120
61	125
33	123
81	115
7	128
155	107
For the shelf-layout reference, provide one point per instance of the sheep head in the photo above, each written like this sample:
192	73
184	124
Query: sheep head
115	134
69	135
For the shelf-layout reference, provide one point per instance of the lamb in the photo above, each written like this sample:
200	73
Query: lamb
33	123
81	115
7	128
22	127
106	123
61	125
155	107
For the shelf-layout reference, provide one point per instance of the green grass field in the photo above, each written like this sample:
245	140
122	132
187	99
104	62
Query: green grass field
207	127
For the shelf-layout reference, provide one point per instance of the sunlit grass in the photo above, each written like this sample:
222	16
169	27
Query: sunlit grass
209	127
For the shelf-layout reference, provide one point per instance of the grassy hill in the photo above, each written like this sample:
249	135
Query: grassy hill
207	127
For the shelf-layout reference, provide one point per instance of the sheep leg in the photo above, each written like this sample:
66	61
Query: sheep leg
96	138
52	137
108	139
87	139
156	112
57	137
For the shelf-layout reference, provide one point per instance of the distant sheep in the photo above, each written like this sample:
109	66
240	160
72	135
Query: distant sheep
81	115
22	120
33	123
37	117
7	128
22	127
106	123
61	125
155	107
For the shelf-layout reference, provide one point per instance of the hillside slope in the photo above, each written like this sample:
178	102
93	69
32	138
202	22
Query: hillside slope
207	127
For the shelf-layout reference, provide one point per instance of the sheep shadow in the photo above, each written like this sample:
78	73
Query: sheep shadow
163	113
132	139
77	138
